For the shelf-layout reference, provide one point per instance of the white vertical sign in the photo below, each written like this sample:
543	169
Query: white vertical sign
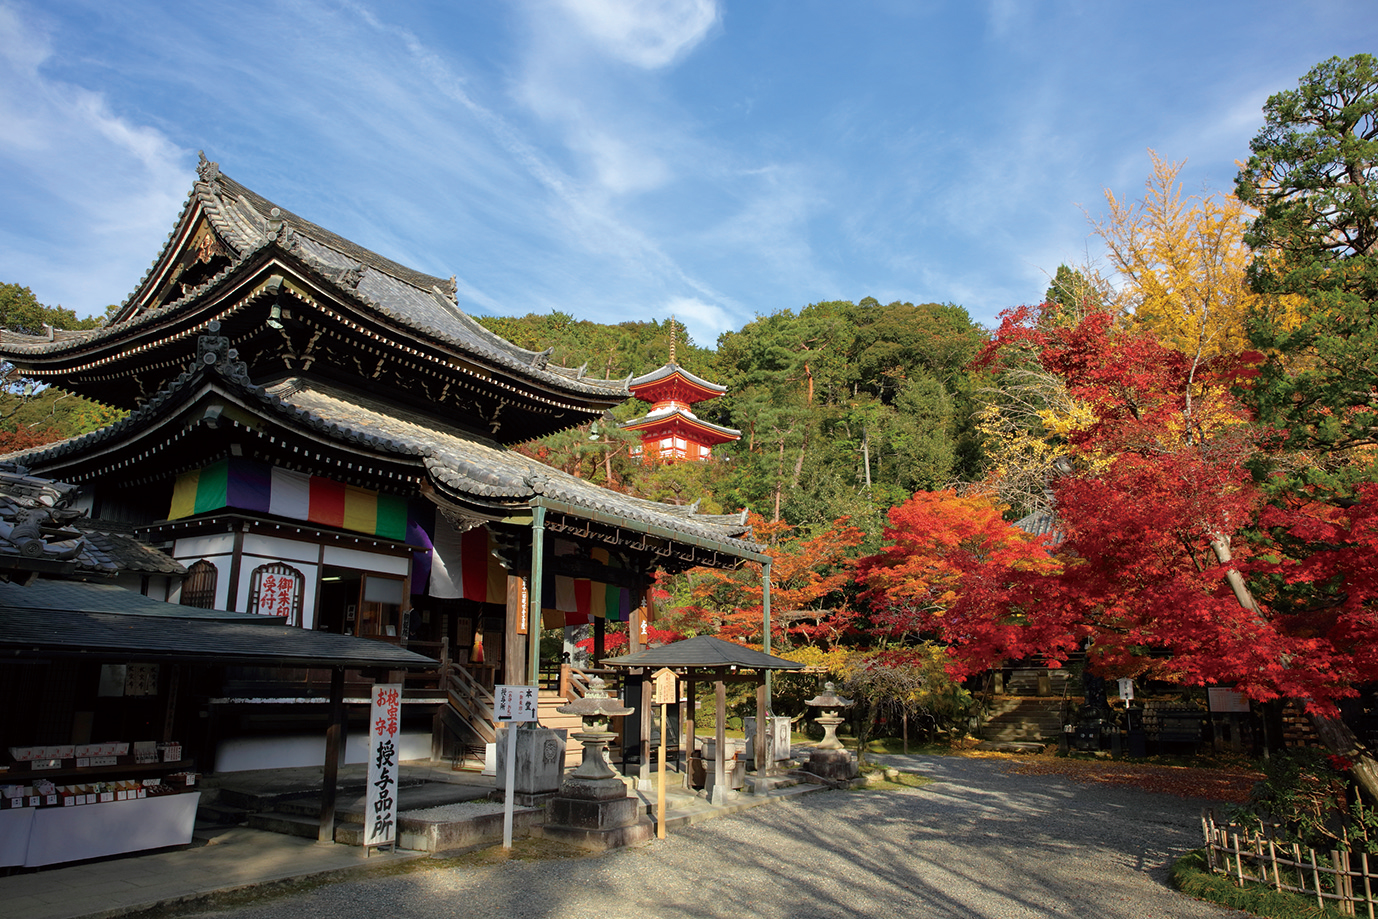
511	705
384	731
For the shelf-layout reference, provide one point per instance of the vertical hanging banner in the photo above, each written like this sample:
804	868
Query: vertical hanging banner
512	705
384	733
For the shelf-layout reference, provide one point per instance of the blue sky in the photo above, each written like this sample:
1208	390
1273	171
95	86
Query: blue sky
715	159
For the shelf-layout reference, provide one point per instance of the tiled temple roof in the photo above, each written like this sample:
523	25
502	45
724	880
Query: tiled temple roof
246	223
457	460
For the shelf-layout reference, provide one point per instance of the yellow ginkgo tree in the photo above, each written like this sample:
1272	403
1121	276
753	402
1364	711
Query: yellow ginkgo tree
1181	262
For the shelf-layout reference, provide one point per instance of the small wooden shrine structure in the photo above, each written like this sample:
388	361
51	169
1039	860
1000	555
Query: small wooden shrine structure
708	659
317	432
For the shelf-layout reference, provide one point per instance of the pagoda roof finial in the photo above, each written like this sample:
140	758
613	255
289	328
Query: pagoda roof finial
672	338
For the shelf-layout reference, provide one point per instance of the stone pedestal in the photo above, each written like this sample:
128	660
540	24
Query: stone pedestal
540	763
597	814
834	765
734	777
593	809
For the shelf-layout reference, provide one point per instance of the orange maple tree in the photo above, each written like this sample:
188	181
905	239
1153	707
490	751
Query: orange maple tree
810	580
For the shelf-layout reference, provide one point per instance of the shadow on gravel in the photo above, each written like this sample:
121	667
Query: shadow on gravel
977	842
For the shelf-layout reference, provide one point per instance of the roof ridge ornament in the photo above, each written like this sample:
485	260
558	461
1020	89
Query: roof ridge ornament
540	360
209	172
275	224
349	277
213	350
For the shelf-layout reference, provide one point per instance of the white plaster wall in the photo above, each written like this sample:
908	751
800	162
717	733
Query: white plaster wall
195	547
367	561
280	549
291	751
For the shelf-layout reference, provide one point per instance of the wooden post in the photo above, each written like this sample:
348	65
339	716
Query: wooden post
687	732
720	746
660	785
174	685
765	621
762	730
533	625
647	720
599	640
334	745
438	723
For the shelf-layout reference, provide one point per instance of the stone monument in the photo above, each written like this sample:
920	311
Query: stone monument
540	762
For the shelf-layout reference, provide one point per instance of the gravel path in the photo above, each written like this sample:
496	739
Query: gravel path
976	843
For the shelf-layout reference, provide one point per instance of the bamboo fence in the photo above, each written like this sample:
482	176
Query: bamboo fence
1342	879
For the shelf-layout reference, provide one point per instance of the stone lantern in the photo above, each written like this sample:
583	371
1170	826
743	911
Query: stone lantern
595	708
829	759
592	808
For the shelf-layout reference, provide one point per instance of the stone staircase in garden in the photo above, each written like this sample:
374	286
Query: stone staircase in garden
1024	721
1030	710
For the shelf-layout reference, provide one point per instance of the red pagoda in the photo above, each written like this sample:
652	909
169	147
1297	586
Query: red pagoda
671	431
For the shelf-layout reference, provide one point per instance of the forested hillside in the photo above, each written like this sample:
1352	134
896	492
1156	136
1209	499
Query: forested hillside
845	408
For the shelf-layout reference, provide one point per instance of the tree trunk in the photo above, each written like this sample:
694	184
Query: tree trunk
779	479
866	454
1333	732
1336	735
799	463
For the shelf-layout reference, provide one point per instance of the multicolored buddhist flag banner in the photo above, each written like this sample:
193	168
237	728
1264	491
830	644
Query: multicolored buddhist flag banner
252	486
463	565
578	601
447	564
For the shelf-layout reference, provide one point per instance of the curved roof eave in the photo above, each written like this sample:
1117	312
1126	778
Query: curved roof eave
671	370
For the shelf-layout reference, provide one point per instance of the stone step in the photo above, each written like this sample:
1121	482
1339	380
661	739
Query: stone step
219	814
286	824
1024	720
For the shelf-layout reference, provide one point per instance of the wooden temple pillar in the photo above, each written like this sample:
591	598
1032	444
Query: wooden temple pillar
686	730
334	746
720	743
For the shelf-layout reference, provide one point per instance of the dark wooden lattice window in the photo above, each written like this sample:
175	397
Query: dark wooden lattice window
199	588
276	590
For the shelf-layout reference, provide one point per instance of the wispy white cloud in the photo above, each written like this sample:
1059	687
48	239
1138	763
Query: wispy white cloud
92	187
705	321
647	33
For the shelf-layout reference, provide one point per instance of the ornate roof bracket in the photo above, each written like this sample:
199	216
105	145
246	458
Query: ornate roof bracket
214	351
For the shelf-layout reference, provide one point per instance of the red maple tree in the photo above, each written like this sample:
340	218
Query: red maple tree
949	566
1173	561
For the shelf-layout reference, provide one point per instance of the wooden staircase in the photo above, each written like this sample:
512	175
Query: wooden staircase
467	713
